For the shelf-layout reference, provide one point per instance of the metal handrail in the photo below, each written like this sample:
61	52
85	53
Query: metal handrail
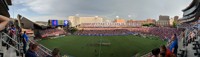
11	38
21	44
8	43
45	48
41	48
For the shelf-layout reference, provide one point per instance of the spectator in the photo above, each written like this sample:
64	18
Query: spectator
19	34
32	51
4	21
25	41
155	52
55	53
11	32
164	52
127	31
30	45
174	44
192	36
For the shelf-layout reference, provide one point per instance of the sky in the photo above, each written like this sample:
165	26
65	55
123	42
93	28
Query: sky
43	10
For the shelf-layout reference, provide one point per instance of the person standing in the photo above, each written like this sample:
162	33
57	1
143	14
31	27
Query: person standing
12	33
174	44
25	41
12	30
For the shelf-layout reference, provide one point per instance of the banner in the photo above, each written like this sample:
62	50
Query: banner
54	22
59	22
66	23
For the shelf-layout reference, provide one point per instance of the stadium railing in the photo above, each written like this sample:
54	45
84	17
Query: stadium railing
4	36
43	51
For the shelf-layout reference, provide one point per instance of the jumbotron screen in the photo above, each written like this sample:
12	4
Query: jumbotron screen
58	22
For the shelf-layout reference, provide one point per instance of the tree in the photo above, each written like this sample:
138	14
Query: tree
149	25
174	24
73	29
145	25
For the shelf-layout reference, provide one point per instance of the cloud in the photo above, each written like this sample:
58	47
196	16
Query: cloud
45	18
137	9
23	10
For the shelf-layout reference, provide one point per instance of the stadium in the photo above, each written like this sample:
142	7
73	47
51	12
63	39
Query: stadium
94	37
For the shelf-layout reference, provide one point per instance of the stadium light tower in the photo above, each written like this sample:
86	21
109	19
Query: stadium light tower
77	15
96	16
117	17
129	16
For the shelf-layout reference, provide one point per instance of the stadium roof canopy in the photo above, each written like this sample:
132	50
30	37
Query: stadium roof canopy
4	7
191	13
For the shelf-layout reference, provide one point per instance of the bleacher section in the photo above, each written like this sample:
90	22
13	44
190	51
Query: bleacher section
52	32
189	45
128	31
189	48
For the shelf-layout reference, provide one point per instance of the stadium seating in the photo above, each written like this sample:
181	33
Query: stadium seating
189	44
128	31
52	32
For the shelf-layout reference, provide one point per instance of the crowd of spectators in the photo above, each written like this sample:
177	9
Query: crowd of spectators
52	32
191	36
108	25
106	32
128	31
156	31
176	41
169	50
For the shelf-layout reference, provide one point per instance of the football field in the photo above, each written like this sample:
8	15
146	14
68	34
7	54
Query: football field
103	46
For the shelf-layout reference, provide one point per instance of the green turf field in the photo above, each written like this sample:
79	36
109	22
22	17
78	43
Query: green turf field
114	46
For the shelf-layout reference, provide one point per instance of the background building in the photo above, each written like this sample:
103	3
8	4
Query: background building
152	21
163	21
119	21
137	21
107	21
148	21
75	20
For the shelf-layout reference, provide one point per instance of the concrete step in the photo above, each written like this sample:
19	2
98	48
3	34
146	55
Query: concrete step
190	50
9	53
